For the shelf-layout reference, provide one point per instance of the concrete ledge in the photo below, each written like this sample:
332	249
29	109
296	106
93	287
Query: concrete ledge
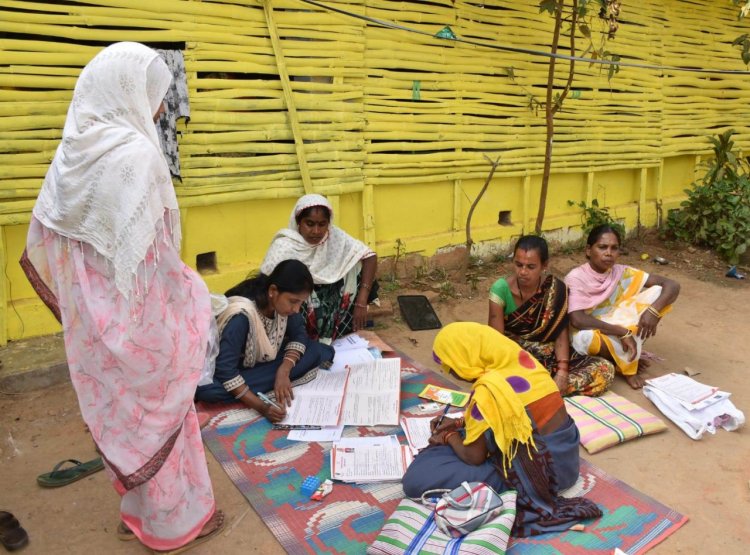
33	363
35	378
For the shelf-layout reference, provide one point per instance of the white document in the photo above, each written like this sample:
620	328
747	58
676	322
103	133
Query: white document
350	357
373	394
417	431
351	341
369	461
367	441
330	433
319	402
683	388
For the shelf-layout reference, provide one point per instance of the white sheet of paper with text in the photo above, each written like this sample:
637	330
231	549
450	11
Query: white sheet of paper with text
318	403
373	394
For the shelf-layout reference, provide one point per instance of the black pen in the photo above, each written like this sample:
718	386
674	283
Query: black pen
295	427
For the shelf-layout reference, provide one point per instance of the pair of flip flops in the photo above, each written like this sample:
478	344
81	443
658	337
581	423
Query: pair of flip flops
63	476
12	535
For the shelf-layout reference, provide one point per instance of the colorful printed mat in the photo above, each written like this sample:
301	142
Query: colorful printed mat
268	469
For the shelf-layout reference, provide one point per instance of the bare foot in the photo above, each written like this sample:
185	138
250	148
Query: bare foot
643	364
635	381
216	521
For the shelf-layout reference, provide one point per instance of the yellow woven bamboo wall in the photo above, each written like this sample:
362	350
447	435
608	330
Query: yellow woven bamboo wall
287	98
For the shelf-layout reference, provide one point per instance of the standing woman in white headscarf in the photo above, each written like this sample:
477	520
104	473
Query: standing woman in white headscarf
342	267
103	252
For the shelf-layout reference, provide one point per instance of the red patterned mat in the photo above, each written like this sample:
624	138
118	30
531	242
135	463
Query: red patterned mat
268	469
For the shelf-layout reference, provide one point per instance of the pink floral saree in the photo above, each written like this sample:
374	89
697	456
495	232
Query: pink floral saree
135	366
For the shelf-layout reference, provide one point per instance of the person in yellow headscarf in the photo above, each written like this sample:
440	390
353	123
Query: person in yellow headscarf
515	433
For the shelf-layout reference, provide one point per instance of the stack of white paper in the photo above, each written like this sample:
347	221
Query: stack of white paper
695	407
349	342
685	389
369	459
350	351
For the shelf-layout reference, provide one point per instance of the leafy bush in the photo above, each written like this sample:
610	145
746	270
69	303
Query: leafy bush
716	213
596	215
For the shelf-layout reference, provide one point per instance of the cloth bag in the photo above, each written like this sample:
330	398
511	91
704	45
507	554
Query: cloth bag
465	508
412	530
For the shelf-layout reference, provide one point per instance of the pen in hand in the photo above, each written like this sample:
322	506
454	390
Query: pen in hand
442	416
263	397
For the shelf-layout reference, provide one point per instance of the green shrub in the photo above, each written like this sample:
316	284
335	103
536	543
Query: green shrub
716	213
596	215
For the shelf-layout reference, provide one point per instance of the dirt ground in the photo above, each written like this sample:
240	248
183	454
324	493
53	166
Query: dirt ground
708	480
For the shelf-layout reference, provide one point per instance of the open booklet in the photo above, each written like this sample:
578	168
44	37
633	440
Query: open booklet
369	459
365	394
319	402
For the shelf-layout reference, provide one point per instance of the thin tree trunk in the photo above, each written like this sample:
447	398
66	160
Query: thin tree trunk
551	109
469	240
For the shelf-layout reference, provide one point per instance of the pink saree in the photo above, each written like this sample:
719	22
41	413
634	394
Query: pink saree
135	365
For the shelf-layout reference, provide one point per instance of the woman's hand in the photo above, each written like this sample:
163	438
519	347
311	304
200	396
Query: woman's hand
272	413
561	380
283	388
360	315
647	325
447	425
630	347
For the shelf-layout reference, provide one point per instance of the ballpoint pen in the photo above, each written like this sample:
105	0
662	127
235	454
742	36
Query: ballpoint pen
263	397
442	416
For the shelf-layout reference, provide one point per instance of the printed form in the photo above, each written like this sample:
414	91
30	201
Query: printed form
369	459
373	394
318	403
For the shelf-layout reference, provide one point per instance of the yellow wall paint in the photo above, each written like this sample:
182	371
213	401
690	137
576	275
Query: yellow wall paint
387	158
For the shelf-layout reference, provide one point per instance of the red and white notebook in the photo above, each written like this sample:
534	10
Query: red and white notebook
369	459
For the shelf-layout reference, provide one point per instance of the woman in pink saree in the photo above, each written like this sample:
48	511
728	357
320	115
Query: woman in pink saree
103	253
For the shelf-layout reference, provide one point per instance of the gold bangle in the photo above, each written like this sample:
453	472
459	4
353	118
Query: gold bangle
653	311
629	334
360	305
364	286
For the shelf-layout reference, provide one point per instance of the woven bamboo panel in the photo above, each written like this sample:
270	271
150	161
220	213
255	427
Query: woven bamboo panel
374	106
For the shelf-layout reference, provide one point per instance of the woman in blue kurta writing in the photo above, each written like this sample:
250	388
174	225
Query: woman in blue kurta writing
263	343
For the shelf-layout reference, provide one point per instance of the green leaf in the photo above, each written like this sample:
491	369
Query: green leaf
548	6
585	30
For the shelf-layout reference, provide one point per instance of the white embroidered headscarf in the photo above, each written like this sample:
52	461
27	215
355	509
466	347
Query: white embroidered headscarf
109	183
328	261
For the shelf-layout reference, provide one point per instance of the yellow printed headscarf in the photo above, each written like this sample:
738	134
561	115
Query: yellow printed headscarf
506	379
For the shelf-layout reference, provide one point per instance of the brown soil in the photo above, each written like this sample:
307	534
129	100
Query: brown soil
708	480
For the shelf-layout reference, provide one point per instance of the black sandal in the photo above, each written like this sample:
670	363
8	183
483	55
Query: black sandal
12	535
